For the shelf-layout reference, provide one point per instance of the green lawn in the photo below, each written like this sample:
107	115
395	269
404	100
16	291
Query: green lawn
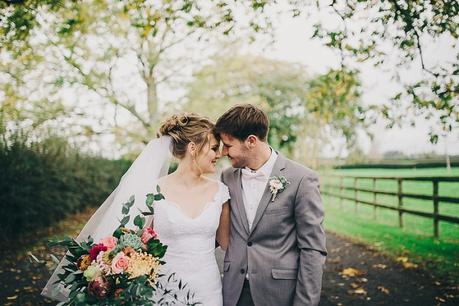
379	227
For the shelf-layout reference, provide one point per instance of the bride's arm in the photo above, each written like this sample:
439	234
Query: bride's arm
223	231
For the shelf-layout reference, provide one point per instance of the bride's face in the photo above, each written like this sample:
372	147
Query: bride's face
208	157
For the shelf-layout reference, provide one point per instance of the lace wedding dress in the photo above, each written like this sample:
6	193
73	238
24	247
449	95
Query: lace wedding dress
191	245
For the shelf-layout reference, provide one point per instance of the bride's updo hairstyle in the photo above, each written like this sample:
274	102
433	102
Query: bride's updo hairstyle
186	128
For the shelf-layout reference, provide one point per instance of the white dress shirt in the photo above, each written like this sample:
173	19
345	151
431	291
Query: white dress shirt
254	184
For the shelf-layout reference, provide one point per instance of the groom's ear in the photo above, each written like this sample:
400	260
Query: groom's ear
251	141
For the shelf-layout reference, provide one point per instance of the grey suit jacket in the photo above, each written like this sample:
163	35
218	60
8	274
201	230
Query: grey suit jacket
284	252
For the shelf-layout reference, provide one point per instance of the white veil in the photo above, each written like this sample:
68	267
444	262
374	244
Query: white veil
138	180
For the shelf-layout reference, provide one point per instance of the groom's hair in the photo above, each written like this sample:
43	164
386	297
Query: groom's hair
240	121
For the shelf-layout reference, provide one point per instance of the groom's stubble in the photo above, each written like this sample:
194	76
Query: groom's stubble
241	161
236	151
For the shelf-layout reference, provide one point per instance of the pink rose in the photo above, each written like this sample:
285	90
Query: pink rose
119	263
110	242
147	234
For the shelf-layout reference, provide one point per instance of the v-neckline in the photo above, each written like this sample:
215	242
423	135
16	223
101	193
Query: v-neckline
176	205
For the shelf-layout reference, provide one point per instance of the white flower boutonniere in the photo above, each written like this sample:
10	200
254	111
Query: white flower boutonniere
277	184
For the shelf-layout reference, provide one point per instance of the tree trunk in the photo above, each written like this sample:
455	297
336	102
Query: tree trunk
152	100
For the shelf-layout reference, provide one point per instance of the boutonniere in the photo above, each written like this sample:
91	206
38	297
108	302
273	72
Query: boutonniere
277	184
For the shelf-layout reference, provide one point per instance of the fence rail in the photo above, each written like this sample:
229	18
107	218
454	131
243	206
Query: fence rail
435	197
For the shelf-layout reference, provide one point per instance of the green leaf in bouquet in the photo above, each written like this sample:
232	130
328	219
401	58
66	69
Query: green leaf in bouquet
70	278
61	277
125	220
150	199
87	245
139	221
158	189
70	258
80	297
125	209
131	200
156	248
118	232
158	197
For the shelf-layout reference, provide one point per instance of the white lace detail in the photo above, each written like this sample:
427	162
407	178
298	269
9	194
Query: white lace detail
224	194
191	245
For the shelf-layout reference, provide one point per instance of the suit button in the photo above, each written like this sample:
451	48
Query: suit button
242	271
249	243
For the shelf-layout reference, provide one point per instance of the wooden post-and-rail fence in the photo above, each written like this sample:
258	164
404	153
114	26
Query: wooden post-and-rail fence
336	190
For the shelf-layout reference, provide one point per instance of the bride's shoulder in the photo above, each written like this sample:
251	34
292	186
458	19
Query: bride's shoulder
217	183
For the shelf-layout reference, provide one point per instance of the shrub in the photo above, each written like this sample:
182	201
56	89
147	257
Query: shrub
42	182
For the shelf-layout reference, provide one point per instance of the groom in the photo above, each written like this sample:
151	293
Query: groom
277	243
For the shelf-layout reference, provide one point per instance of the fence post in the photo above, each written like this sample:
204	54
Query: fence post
374	198
400	203
341	192
355	194
435	208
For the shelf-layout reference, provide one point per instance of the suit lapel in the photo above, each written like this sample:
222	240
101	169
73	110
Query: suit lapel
279	166
240	200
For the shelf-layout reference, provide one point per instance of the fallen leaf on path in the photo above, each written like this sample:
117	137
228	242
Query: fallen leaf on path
355	285
358	291
406	263
362	280
409	265
379	266
351	272
383	289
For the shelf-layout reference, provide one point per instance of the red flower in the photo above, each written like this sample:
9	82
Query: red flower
99	287
95	250
118	292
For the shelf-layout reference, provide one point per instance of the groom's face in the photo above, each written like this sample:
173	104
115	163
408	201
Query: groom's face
235	150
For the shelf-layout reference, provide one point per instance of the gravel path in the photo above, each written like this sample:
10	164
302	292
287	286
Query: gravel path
354	275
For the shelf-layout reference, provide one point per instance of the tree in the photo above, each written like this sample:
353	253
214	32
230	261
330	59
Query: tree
113	57
365	28
305	112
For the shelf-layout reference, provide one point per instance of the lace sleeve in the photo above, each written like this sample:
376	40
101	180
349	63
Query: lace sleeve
224	193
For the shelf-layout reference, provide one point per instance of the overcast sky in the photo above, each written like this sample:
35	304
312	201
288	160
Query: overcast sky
292	44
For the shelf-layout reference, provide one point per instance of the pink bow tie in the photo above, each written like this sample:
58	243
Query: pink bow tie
253	175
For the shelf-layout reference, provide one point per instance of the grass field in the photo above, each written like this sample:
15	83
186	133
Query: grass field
379	226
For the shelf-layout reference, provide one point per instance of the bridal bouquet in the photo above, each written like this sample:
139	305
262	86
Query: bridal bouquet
121	269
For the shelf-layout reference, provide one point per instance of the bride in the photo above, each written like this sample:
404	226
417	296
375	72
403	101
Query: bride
193	214
195	210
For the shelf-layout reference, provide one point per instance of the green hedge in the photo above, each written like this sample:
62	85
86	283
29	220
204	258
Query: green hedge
41	183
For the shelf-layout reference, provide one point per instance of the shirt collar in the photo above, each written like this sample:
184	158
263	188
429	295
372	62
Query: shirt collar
268	166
